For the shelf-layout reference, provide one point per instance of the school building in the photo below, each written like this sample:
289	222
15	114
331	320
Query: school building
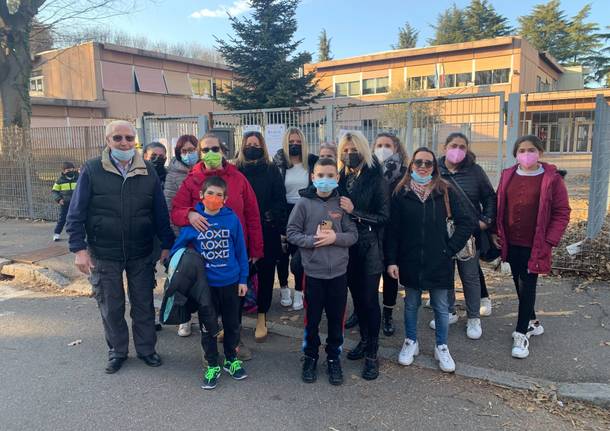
554	103
88	83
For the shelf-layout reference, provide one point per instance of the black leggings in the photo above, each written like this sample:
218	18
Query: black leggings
484	292
364	289
390	290
266	275
525	283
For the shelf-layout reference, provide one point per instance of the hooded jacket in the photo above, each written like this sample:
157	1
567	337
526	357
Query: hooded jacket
64	187
222	246
240	198
282	163
551	222
309	212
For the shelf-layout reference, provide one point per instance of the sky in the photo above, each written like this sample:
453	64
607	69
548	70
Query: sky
355	26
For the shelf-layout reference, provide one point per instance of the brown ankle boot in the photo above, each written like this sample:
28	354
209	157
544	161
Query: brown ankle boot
260	333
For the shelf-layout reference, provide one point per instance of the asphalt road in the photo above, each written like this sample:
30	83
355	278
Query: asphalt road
45	384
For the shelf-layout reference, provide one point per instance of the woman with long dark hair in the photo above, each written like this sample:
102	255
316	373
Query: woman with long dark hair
253	161
419	250
364	195
459	168
533	214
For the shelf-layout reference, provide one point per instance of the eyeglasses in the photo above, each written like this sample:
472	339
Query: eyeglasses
425	163
119	138
208	149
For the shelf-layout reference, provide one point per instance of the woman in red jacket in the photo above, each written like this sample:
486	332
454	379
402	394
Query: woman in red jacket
533	213
240	198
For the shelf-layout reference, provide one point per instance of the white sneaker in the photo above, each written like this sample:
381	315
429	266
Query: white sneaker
520	346
427	303
297	303
485	309
473	329
409	350
535	328
285	298
445	361
453	318
56	237
184	330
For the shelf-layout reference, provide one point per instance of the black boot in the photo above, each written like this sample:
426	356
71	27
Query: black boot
335	374
370	370
358	352
351	322
388	322
309	369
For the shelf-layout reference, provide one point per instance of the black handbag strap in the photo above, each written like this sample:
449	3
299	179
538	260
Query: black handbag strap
476	212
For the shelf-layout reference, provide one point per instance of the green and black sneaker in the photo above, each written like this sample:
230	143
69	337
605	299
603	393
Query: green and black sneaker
235	369
210	378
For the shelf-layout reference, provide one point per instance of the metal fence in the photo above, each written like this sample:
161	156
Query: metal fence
31	161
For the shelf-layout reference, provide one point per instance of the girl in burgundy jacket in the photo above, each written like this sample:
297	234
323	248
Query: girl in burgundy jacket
533	213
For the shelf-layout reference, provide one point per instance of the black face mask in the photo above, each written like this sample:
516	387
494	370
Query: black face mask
253	153
159	161
352	160
70	175
294	150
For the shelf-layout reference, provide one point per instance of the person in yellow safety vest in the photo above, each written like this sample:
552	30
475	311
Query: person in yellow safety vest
62	193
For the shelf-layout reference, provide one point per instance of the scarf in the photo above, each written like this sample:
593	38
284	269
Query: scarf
422	191
391	168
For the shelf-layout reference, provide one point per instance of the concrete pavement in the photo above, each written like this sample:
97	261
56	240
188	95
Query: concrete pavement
49	385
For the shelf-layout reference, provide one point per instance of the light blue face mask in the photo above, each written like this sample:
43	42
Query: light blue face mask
123	155
190	159
325	185
419	179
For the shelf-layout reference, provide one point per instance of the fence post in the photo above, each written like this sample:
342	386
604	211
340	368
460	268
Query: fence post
409	137
600	169
202	125
29	192
141	130
499	164
513	123
330	116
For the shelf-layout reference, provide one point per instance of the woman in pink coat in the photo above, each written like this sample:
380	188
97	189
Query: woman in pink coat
533	213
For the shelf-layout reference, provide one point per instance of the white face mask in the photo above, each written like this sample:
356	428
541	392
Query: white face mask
383	153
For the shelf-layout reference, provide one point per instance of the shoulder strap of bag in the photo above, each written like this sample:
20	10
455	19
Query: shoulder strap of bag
447	204
465	195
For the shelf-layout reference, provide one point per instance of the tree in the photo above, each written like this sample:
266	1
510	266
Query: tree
599	62
41	38
407	37
449	27
262	53
582	36
324	46
16	24
483	22
547	28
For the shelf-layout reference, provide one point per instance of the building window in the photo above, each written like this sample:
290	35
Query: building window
447	81
221	85
201	87
416	83
564	132
344	89
37	86
375	85
500	76
542	85
462	79
482	77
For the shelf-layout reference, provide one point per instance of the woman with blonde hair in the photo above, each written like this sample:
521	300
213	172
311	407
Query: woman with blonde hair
296	166
263	175
364	195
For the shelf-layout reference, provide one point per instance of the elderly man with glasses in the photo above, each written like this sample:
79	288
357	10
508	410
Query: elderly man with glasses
117	209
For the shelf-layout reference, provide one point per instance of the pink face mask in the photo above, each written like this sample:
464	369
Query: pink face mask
527	159
455	155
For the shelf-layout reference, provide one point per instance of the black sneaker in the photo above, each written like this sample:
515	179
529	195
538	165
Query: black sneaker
370	370
309	374
335	374
210	378
235	369
357	352
351	321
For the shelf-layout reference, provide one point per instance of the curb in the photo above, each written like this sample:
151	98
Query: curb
594	393
30	273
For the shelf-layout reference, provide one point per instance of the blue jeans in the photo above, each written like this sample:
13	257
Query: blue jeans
440	305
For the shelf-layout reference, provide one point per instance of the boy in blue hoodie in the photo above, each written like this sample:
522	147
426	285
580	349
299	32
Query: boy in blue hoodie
223	249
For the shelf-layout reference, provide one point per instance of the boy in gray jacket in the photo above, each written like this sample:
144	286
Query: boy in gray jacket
323	232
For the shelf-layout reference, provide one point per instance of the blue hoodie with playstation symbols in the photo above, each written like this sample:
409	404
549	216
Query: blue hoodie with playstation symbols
222	246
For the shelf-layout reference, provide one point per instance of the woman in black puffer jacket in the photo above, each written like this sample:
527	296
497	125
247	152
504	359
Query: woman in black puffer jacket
365	197
265	178
459	168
